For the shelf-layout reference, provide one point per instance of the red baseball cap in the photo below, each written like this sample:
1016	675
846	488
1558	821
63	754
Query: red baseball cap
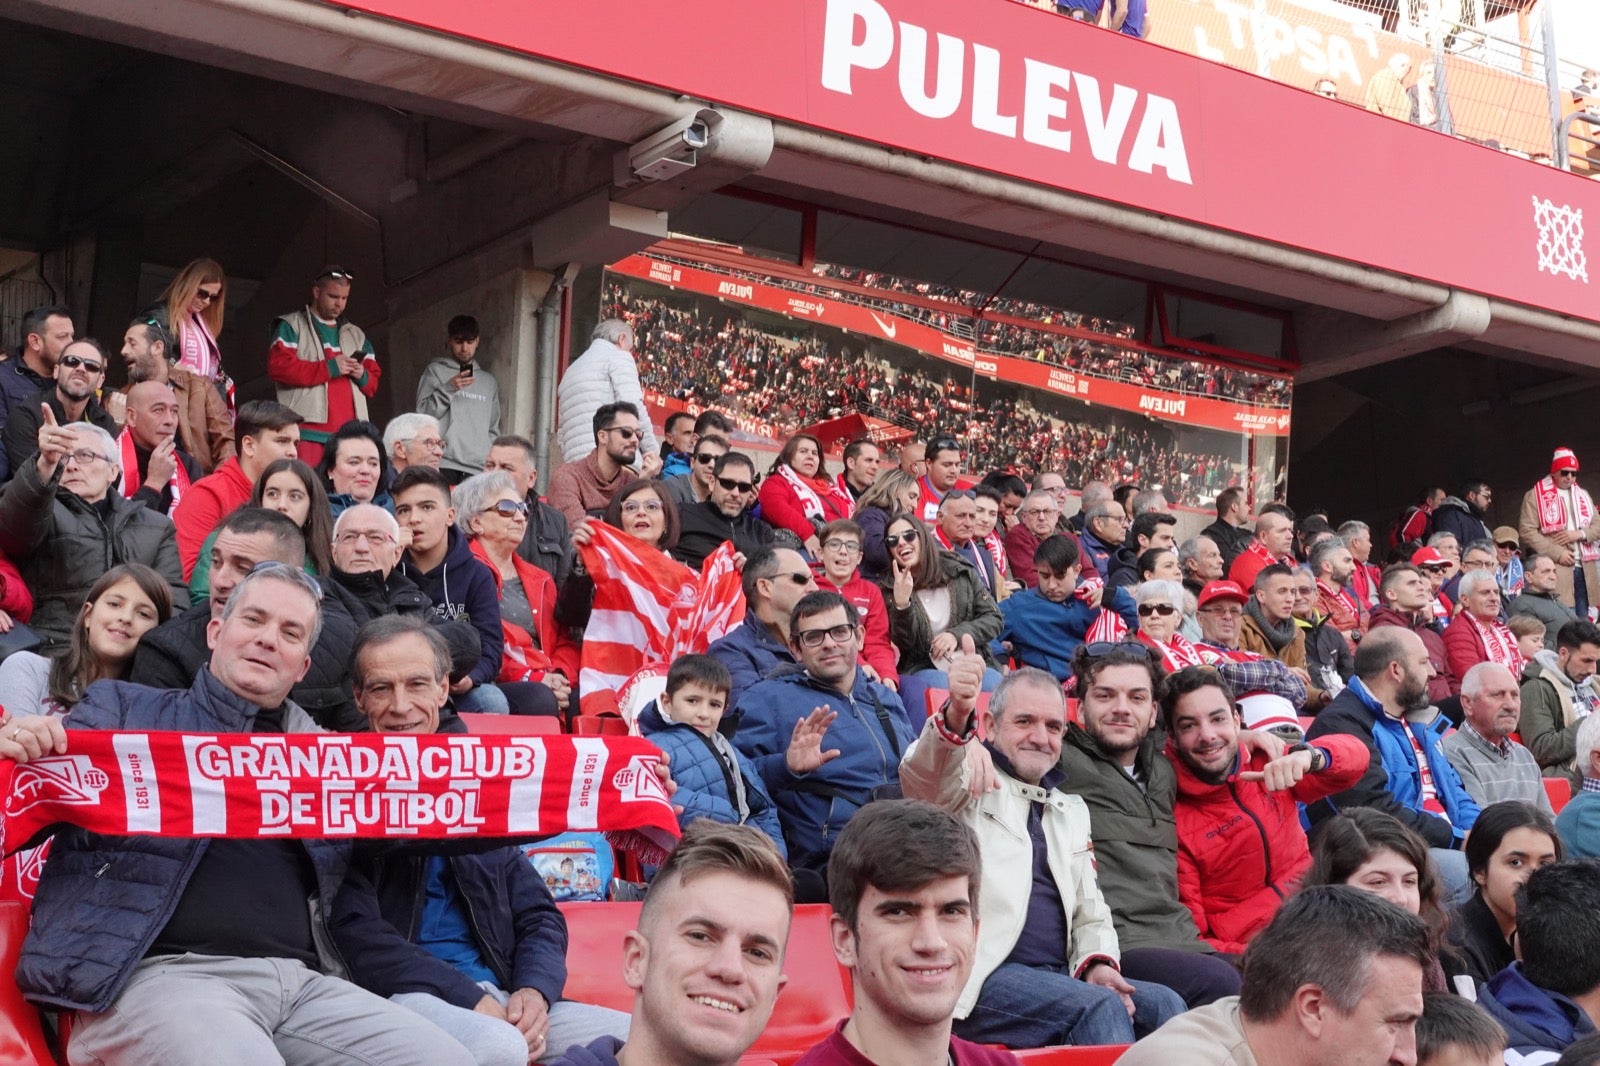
1222	590
1428	557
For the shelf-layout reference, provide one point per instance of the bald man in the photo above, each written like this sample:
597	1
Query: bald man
156	471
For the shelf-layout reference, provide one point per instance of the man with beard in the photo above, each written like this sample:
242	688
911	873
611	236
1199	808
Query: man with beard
1493	767
204	428
1046	963
1406	599
79	373
1555	699
1334	565
1407	775
586	485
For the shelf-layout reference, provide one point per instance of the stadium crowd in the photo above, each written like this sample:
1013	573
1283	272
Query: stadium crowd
1050	773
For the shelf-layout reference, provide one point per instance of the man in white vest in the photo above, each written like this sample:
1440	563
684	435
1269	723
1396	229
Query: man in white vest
1559	520
323	364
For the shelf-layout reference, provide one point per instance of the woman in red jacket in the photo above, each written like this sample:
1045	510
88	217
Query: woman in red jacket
795	495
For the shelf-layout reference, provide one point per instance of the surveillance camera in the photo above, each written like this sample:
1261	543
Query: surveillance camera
668	153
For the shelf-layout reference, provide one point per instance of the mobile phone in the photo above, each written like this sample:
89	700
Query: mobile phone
467	370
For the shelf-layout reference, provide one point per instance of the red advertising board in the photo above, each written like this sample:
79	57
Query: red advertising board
1154	403
1009	88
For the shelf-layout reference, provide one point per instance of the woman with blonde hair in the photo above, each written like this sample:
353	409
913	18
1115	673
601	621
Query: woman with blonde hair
190	309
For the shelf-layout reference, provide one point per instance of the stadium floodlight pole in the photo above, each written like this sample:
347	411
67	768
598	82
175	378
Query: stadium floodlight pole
1552	81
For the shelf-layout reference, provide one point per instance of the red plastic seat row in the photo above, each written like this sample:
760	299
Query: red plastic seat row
1103	1055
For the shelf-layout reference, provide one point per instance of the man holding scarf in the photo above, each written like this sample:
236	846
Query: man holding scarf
1559	519
155	470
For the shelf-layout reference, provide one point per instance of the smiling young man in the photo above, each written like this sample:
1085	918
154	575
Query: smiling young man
903	883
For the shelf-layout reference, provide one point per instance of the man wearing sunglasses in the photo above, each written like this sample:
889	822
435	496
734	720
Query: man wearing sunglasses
1559	519
702	527
774	580
584	487
322	363
694	487
71	397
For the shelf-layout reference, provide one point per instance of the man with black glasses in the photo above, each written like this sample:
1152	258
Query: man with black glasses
587	485
79	373
702	527
773	579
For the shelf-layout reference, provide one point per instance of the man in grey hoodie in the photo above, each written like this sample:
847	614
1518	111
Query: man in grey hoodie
464	398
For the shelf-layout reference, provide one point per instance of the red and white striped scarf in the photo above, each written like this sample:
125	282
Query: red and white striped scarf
1500	644
648	607
1108	626
1553	517
1430	794
806	491
997	551
1176	653
132	482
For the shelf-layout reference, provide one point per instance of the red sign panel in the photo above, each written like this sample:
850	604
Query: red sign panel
1009	88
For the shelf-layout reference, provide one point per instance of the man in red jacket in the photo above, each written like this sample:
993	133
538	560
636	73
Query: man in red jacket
264	430
1241	849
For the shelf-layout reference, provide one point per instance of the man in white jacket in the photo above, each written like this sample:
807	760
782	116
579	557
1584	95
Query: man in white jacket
1046	968
604	373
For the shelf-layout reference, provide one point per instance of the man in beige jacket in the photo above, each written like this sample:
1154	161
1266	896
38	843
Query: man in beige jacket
1559	520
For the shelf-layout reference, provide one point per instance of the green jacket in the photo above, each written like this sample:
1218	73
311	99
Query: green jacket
1135	840
972	612
1549	725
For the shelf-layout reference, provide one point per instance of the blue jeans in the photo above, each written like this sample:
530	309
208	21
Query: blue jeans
1036	1006
914	690
1455	880
482	699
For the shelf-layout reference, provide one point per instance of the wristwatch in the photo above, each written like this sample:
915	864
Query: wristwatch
1319	756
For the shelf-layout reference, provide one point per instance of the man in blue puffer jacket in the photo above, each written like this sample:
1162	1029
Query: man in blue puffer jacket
773	581
1045	625
857	728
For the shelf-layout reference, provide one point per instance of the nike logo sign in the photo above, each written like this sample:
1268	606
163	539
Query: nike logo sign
887	327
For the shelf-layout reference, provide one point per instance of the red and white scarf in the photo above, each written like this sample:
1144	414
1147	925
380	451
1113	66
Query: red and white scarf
648	607
997	551
333	786
1500	644
1553	517
1108	626
1176	653
806	492
132	482
1429	793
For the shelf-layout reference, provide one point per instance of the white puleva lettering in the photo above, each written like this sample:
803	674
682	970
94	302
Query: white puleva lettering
860	35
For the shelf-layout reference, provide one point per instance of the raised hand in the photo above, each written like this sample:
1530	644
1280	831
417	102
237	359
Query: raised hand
904	586
805	752
649	465
163	464
55	443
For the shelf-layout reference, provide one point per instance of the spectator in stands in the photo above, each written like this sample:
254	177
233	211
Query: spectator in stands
79	373
895	492
1558	693
944	469
1370	850
474	943
1044	626
695	486
1408	775
1039	514
1128	17
241	965
126	602
1101	539
462	588
1268	628
603	375
1094	494
190	310
716	918
1550	997
861	463
547	541
1134	830
1407	604
642	510
1046	961
1357	536
64	523
913	459
1477	556
1579	820
16	599
353	469
1430	106
860	726
1231	531
1273	543
1200	563
798	495
322	363
205	429
539	662
1326	87
156	471
934	599
724	516
171	654
1476	634
1232	871
1011	489
1414	524
1510	841
955	531
366	549
1492	765
1159	564
1147	501
46	332
463	397
677	445
715	779
841	548
1529	632
1311	530
1329	660
1220	614
1538	597
1508	567
987	535
1386	90
1336	976
264	431
1559	519
1160	614
1465	515
1152	529
1333	564
774	580
291	488
413	439
1123	495
586	485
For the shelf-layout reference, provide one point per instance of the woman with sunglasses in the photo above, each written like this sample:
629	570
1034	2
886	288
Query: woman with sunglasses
190	310
934	598
893	492
539	653
353	467
644	511
1160	607
291	488
797	494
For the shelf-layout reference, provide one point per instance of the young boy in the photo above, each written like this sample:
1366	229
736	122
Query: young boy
465	400
1045	625
841	558
1457	1032
1529	632
715	780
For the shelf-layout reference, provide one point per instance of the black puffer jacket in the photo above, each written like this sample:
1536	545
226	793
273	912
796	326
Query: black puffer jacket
63	546
375	595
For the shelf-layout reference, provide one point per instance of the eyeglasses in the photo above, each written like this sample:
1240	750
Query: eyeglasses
1434	569
849	547
208	295
1119	516
1162	609
706	458
289	573
338	273
641	507
83	457
74	362
507	509
628	432
433	444
1225	610
371	536
908	537
813	638
1478	564
735	486
1028	512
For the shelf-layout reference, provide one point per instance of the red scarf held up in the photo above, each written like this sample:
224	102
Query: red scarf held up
293	785
132	482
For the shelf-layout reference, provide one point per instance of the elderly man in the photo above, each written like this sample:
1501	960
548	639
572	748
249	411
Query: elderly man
71	397
176	951
156	471
956	528
1557	694
547	543
1201	562
64	525
1101	539
366	550
1231	531
413	439
1476	634
1039	514
602	375
586	485
204	429
1579	821
1221	616
1336	978
702	527
1273	543
913	459
1492	765
474	942
1538	597
1047	967
1559	519
774	580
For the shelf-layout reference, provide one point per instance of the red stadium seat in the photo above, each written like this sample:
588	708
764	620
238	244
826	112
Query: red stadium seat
1103	1055
600	726
937	696
518	725
22	1039
1559	789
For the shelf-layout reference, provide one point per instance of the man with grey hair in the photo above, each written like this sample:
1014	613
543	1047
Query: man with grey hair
1040	904
1538	597
1579	821
413	439
1038	517
1357	536
366	550
1095	493
604	373
1492	765
1101	539
1476	634
1333	564
1148	501
547	543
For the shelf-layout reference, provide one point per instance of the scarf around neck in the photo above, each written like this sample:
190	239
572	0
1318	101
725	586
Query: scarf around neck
1279	634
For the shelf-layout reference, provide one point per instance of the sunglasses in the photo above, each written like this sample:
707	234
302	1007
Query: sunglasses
628	432
1162	609
1106	647
209	295
1435	569
74	362
508	509
813	638
735	486
908	537
339	273
800	580
961	494
705	458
